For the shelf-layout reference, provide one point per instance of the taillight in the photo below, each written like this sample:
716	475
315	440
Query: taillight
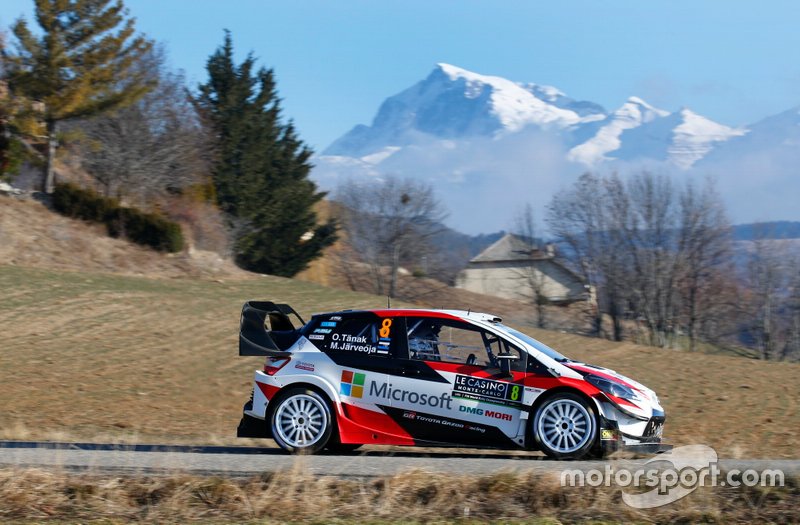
274	364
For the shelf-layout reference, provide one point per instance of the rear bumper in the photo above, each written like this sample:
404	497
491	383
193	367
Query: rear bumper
252	427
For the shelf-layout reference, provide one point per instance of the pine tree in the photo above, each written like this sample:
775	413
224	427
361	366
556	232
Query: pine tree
261	170
82	64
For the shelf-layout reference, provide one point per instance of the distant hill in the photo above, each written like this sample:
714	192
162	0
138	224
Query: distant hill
459	248
767	230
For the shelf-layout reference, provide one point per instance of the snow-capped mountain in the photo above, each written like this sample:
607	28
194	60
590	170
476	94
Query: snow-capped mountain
637	131
465	132
604	137
453	103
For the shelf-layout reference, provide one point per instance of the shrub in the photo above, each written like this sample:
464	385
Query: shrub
12	155
79	203
148	229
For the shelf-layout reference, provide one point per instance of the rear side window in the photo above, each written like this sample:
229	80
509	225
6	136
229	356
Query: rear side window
363	335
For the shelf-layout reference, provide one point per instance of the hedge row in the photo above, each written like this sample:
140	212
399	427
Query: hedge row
135	225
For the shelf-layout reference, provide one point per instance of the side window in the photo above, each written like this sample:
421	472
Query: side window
432	339
352	334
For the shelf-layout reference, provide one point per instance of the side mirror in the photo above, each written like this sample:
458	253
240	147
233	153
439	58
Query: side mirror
505	359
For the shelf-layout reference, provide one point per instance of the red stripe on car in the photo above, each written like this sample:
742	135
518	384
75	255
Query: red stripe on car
359	425
268	390
414	313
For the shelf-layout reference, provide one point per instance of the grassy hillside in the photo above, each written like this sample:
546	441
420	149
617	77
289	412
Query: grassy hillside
106	357
31	235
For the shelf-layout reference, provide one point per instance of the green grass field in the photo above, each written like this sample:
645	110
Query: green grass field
102	357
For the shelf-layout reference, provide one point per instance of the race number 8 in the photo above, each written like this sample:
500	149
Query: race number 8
386	327
515	393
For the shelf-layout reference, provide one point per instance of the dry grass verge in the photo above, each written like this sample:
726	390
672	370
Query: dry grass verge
412	497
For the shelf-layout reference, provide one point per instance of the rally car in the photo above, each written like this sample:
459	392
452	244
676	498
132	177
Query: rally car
432	378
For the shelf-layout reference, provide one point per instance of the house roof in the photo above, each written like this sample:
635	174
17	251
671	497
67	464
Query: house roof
510	247
513	248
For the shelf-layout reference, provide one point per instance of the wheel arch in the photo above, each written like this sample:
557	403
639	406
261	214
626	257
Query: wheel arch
563	390
308	388
316	384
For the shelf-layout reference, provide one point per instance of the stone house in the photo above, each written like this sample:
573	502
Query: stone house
514	269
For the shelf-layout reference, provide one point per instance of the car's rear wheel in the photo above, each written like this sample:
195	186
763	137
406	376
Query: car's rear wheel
565	426
302	421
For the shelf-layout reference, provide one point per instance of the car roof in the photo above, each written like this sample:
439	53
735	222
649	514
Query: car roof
459	315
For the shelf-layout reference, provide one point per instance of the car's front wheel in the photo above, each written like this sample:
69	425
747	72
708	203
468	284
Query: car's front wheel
565	427
302	421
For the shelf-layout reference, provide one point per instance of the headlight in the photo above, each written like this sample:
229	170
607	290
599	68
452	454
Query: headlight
612	387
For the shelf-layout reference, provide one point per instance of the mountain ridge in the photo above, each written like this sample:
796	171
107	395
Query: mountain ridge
453	103
464	131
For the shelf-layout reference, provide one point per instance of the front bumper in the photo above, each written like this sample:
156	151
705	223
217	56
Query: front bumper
647	449
613	436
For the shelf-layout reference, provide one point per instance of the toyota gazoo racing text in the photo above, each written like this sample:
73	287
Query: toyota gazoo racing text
432	377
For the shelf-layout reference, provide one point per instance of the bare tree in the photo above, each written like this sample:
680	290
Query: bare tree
647	228
704	246
766	277
387	223
150	147
614	259
531	278
580	218
792	347
652	252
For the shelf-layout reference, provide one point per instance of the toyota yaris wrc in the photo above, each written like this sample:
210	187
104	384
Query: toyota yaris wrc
436	378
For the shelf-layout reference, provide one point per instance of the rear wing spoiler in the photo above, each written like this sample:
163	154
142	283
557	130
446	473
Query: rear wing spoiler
265	329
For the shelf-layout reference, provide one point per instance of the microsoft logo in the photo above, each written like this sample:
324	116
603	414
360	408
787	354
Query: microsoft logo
352	384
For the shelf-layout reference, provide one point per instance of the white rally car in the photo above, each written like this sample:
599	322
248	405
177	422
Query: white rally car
435	378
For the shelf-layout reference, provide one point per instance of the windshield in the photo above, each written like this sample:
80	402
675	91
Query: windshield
540	346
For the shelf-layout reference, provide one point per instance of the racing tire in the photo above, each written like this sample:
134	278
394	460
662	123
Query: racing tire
565	427
302	421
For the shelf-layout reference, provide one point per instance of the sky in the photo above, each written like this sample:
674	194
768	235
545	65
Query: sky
734	61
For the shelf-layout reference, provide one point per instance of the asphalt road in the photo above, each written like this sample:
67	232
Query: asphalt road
251	461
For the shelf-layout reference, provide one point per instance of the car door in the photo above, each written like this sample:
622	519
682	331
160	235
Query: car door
358	363
448	388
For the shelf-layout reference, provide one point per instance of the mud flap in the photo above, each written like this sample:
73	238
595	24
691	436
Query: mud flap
252	427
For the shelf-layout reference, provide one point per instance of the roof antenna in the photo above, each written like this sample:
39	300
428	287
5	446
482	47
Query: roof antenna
389	301
469	309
